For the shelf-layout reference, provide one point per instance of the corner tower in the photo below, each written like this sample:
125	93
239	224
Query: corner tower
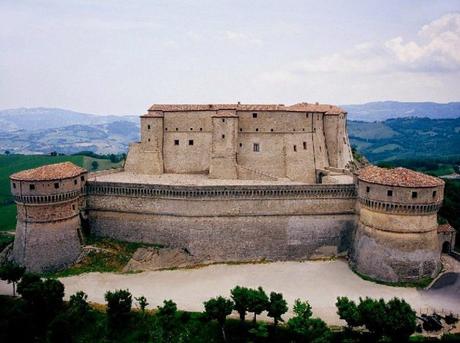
48	201
396	237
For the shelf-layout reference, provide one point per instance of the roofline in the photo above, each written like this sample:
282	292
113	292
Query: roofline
385	184
50	179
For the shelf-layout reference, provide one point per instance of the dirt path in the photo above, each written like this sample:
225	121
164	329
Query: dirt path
319	282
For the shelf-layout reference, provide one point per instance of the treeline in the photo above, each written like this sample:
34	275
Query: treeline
41	315
114	158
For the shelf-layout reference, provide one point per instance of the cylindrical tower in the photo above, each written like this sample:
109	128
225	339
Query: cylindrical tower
48	201
396	237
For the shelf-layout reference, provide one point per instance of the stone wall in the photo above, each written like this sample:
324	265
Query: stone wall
228	223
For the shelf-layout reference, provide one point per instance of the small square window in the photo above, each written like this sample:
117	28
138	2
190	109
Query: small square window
241	145
241	129
148	127
56	185
31	187
191	129
82	178
434	194
166	129
190	142
389	193
257	129
177	129
14	185
254	115
201	129
223	120
368	189
73	207
295	147
176	142
75	181
256	147
223	136
271	130
306	115
414	195
148	140
304	145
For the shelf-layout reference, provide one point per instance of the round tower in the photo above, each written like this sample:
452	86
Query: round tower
396	236
48	201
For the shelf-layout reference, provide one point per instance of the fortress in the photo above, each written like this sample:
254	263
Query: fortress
237	182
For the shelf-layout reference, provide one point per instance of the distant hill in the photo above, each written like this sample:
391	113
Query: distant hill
43	130
382	110
406	138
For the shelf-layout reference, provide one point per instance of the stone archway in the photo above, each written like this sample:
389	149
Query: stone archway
446	247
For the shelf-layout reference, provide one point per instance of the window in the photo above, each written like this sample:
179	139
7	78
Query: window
14	185
256	147
177	129
201	129
257	129
241	129
368	189
191	129
31	186
73	207
295	147
166	129
271	130
241	145
82	178
306	115
434	193
190	142
293	129
148	127
75	181
304	145
56	185
389	193
414	195
223	136
254	115
176	142
223	120
148	140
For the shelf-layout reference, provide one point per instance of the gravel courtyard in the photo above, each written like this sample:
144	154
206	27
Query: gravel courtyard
318	281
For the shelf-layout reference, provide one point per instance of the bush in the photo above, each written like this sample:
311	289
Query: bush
119	305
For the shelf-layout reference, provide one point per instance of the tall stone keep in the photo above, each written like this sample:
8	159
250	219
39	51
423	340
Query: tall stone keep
396	237
224	140
48	201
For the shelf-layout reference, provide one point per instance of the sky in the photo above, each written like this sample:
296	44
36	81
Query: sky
119	57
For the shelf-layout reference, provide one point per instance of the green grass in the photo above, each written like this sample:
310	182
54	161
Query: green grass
422	283
10	164
112	256
5	239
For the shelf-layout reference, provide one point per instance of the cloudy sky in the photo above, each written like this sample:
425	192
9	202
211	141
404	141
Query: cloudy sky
119	57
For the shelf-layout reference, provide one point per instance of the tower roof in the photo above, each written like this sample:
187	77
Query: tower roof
55	171
400	177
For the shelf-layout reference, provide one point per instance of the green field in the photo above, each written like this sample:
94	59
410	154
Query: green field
10	164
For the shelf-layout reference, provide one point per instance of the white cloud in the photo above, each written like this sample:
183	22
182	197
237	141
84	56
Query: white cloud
437	49
242	38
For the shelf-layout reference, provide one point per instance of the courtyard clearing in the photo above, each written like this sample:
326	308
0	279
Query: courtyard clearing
320	282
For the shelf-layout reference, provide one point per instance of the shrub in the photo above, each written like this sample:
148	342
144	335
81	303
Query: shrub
119	305
219	308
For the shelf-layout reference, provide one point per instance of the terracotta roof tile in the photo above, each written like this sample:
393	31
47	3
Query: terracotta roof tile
400	177
49	172
300	107
445	228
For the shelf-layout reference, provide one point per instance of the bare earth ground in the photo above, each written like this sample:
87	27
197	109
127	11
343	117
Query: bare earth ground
318	281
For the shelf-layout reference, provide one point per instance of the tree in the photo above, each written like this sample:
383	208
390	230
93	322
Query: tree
277	307
400	320
373	314
260	331
258	301
307	329
142	301
7	152
94	165
240	297
219	308
78	306
12	273
119	305
348	311
167	318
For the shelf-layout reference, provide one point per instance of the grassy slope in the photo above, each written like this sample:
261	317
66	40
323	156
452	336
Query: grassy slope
14	163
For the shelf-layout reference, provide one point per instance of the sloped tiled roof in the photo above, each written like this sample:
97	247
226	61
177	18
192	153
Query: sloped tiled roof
401	177
49	172
300	107
445	228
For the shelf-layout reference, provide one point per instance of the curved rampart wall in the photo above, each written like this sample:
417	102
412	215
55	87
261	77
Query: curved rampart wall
227	223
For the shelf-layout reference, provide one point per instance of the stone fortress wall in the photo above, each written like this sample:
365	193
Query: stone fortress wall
230	223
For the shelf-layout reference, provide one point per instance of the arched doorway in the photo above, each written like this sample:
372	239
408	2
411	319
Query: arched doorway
446	247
